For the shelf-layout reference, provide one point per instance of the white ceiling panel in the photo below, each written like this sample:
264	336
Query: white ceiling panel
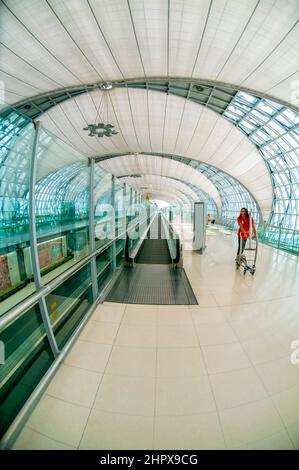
186	128
51	44
161	167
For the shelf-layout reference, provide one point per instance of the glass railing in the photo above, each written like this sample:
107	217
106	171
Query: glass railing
279	237
275	236
27	358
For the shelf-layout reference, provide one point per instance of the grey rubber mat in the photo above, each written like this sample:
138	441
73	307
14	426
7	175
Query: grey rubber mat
153	284
154	249
153	252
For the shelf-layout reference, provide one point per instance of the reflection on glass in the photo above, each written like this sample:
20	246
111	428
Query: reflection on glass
104	267
27	358
16	143
68	304
62	205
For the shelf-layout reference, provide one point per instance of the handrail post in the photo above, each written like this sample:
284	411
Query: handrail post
33	244
279	235
93	267
113	205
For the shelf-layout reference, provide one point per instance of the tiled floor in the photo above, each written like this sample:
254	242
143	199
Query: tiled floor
212	376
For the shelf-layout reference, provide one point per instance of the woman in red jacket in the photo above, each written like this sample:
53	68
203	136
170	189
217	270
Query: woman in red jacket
244	230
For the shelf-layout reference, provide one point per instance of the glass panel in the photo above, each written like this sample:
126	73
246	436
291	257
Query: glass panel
104	268
259	116
27	358
120	247
104	215
68	304
62	206
16	144
119	208
251	99
265	107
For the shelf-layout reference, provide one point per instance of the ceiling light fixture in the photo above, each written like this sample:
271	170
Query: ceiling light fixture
99	128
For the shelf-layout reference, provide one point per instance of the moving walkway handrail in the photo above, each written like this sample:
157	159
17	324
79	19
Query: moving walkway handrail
176	238
128	256
15	312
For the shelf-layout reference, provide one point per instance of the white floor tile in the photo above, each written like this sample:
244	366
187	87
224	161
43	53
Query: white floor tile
265	349
207	315
75	385
280	441
220	333
177	336
136	362
237	388
137	336
130	395
196	432
89	356
59	420
111	313
249	423
174	315
117	431
32	440
278	375
287	404
180	362
99	332
225	358
183	396
207	300
229	298
146	315
293	431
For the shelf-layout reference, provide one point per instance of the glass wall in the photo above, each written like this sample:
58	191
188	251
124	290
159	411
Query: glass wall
62	198
68	304
27	358
62	205
58	225
103	215
16	144
274	130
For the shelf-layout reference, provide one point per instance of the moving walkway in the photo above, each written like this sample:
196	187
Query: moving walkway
153	275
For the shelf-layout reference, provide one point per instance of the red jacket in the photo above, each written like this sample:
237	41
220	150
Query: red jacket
246	226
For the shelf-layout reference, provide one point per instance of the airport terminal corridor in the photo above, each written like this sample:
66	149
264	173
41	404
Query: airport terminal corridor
216	375
142	143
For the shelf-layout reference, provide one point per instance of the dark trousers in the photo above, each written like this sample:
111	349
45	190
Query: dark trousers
241	245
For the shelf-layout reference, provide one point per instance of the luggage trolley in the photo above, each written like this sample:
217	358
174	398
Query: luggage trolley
248	261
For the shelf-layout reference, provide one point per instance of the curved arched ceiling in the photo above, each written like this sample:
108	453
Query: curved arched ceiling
151	121
150	183
59	49
199	193
157	165
51	44
232	193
